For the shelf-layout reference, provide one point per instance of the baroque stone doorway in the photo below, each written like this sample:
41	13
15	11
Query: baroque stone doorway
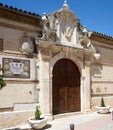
66	87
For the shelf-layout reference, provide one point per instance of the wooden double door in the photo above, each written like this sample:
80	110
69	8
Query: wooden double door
66	87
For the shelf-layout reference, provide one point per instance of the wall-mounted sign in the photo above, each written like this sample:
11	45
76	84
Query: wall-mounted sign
16	68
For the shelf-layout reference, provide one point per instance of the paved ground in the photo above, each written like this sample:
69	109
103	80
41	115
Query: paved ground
81	121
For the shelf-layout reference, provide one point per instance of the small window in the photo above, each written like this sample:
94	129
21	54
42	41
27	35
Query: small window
1	44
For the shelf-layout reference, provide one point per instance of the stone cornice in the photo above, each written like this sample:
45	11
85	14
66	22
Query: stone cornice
49	49
102	38
13	54
58	47
20	81
19	27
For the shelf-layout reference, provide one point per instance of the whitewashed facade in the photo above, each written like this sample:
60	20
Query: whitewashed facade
33	65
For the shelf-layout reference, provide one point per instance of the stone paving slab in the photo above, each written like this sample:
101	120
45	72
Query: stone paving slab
96	124
84	121
108	127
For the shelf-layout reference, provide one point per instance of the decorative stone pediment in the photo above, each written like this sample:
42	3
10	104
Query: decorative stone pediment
60	26
63	27
67	23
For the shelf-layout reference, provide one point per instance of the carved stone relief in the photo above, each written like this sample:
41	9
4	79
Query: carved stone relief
67	22
84	39
60	22
25	44
49	28
62	27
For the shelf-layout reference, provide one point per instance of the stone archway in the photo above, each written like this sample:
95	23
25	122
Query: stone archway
66	87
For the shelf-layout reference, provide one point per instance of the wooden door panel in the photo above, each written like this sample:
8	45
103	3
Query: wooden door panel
63	100
71	97
55	101
59	99
66	87
73	87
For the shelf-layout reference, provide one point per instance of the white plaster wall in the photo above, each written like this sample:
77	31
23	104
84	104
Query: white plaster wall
18	90
16	93
101	73
12	119
106	54
104	73
19	94
10	38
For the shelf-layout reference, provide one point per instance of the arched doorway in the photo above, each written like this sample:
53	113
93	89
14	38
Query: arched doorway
66	87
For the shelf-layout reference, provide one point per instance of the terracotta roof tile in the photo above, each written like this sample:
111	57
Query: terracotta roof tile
101	34
20	10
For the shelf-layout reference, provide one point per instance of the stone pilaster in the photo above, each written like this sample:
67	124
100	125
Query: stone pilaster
44	83
82	94
87	85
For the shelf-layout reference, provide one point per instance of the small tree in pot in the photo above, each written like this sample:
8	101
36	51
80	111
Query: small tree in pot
2	83
103	109
37	122
102	102
37	113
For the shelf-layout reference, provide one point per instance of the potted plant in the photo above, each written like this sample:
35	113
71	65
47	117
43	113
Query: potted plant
103	109
2	83
37	122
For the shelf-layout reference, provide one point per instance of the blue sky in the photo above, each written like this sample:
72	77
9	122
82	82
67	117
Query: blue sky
96	15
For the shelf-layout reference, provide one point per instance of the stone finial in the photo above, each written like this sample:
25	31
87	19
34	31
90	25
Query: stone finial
65	3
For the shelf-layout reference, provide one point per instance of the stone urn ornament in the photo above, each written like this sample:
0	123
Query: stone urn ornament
37	122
